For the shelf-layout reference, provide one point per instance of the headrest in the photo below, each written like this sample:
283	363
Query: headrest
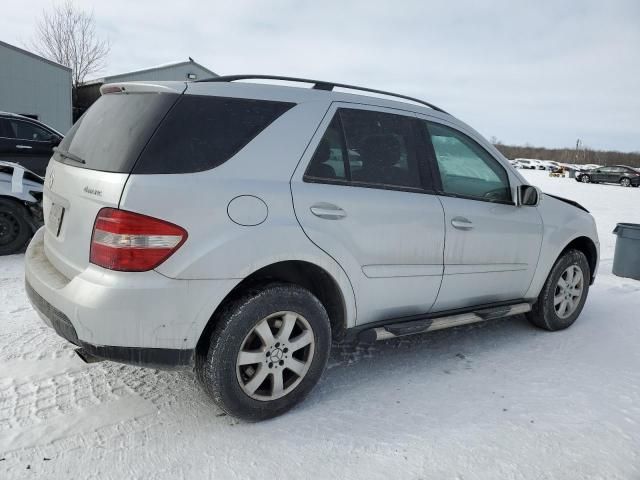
381	150
323	153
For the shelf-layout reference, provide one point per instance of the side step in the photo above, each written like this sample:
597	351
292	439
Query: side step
430	324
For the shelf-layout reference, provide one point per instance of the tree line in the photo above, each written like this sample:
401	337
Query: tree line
579	156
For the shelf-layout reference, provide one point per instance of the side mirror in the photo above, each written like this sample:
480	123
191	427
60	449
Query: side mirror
528	195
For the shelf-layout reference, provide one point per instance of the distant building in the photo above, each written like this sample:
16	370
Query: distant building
34	86
189	70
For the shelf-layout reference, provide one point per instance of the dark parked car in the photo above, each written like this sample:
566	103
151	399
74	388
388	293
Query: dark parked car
625	176
27	142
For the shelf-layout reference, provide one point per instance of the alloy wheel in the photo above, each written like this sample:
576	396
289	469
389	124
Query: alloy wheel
275	356
568	291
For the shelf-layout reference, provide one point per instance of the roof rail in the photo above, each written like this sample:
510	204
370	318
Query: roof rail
317	85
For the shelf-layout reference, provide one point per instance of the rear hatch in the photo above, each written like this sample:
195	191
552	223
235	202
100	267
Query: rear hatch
90	167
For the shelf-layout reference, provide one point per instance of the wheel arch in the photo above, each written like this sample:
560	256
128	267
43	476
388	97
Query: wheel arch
588	247
299	272
31	209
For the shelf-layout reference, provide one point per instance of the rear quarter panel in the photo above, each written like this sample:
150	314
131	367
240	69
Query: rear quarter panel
219	248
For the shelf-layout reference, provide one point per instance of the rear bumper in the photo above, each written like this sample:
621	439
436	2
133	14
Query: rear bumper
150	357
139	318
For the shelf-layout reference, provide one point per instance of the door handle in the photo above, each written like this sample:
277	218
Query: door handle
328	211
24	147
462	223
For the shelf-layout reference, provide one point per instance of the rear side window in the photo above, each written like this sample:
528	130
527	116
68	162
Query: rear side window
5	129
111	134
202	132
367	148
328	162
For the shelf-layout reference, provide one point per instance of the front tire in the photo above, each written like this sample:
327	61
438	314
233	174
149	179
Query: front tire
14	228
266	353
564	293
585	179
625	182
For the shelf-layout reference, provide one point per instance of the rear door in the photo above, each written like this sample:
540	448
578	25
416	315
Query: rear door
90	169
492	245
363	195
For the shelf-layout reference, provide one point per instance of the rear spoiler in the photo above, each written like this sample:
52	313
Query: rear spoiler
143	87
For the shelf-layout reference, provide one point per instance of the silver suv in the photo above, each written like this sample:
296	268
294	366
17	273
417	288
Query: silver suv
241	227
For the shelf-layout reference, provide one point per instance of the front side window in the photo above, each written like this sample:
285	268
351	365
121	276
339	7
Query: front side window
467	169
28	131
367	148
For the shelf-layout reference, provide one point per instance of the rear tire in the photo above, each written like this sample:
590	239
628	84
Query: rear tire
564	293
14	227
266	353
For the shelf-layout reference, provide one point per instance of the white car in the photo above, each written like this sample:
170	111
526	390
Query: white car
241	227
525	163
20	206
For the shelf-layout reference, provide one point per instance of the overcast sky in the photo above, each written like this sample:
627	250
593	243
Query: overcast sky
542	72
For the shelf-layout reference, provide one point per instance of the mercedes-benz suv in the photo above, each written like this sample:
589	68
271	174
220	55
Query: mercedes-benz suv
241	227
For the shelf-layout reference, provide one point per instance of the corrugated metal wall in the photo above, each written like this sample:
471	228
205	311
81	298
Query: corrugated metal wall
33	86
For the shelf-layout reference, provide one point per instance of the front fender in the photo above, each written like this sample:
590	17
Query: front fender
562	224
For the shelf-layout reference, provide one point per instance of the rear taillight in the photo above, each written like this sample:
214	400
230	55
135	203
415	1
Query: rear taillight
131	242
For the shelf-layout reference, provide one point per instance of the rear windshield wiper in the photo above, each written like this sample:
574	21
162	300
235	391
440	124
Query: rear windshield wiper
68	155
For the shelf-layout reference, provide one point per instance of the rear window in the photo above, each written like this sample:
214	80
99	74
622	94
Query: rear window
202	132
111	134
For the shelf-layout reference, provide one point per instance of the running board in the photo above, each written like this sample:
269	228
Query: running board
424	325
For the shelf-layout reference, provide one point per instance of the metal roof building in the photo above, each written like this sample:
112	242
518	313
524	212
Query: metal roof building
34	86
188	70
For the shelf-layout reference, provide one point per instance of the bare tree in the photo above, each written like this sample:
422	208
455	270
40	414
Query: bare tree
67	35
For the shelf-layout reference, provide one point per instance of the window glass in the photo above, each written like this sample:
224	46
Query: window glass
328	161
5	129
111	134
467	169
202	132
381	148
28	131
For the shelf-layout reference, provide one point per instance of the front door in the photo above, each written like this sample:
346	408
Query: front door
361	194
27	144
492	245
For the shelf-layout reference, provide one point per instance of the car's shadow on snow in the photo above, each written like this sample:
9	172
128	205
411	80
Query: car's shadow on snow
400	362
363	378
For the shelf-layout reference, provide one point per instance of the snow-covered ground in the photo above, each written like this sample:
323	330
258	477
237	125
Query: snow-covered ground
500	400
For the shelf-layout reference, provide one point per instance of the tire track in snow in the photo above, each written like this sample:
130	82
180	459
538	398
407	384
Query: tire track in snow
84	421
